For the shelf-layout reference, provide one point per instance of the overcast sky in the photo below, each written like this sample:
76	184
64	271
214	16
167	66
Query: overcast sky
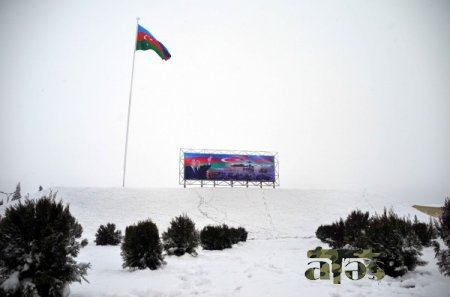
354	95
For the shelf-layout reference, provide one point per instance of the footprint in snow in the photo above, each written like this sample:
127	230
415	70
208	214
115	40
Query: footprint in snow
202	282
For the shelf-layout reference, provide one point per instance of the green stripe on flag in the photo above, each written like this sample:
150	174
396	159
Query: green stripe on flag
146	45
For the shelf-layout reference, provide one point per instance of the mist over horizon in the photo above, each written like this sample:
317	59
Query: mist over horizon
353	96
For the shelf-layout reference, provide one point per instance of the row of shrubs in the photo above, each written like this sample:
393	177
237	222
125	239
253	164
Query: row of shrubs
40	239
142	247
398	239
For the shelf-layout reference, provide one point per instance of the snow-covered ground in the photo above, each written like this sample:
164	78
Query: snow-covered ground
281	225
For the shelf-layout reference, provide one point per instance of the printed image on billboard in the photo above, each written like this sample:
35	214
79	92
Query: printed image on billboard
229	167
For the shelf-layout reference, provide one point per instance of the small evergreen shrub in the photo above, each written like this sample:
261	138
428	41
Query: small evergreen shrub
443	230
216	237
332	234
395	239
16	195
388	234
181	237
242	234
39	240
234	235
108	235
424	231
351	231
355	228
141	246
238	234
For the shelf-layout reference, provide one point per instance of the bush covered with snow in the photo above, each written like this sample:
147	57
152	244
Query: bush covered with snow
394	237
216	237
332	234
17	195
39	240
355	228
181	237
243	234
424	231
238	234
108	235
351	230
443	230
141	246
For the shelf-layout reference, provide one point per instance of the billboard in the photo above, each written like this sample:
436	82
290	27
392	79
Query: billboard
204	166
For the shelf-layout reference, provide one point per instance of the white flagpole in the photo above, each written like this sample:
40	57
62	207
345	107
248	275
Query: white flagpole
129	107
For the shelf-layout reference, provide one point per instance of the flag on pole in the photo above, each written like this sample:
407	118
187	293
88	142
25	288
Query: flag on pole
145	41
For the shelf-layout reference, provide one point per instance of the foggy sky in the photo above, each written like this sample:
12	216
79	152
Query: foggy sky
354	95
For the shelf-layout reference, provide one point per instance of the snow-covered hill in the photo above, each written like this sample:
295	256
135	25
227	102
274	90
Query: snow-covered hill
281	225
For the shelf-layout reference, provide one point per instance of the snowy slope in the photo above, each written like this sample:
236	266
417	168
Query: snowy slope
281	225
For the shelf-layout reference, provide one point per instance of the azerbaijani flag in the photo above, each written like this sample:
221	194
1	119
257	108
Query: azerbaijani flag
145	41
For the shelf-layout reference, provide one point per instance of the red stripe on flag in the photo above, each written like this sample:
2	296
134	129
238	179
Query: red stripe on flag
143	36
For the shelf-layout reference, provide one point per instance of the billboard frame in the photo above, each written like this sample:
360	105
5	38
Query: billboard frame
227	183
